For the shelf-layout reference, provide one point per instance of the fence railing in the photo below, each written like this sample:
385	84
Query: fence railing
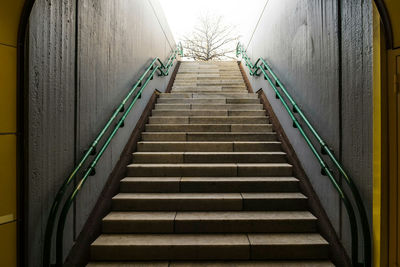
297	115
94	153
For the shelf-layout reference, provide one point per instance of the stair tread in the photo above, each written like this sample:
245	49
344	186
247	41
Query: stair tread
215	117
210	164
273	195
170	239
210	142
210	215
208	178
210	132
296	263
211	153
207	124
209	239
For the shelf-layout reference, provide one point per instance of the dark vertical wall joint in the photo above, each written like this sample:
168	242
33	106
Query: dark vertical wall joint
76	101
340	87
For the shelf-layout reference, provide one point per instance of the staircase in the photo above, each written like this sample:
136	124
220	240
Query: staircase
209	185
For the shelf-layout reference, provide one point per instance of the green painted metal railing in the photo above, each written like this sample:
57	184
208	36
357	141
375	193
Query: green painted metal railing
134	94
262	67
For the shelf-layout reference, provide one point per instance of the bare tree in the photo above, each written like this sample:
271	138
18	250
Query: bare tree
211	39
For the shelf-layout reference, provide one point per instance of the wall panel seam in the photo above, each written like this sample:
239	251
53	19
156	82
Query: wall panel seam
340	88
76	106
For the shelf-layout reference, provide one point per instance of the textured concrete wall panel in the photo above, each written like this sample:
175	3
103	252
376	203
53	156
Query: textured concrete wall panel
299	40
302	40
114	43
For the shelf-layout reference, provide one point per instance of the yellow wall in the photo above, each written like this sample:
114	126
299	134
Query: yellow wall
386	141
10	11
376	234
393	192
393	7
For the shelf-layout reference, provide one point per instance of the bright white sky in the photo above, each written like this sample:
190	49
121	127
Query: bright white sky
182	14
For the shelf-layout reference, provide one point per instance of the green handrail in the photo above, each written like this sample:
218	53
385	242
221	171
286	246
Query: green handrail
163	69
262	66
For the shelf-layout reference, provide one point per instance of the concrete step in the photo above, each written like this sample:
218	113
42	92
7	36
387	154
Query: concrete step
207	77
209	222
288	246
207	112
208	127
209	202
208	184
242	263
208	101
239	95
215	76
208	146
185	70
210	79
209	120
202	169
200	83
170	246
209	136
209	106
210	88
208	246
272	263
214	91
212	157
225	83
214	71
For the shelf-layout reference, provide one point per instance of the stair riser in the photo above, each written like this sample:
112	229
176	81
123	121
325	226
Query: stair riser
209	204
212	84
208	89
208	78
209	226
208	137
208	120
204	71
208	128
187	112
202	171
288	252
208	187
170	252
207	101
205	158
215	252
209	95
177	204
208	106
208	147
207	75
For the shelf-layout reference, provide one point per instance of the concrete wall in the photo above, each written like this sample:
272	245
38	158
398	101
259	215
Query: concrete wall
84	56
322	52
